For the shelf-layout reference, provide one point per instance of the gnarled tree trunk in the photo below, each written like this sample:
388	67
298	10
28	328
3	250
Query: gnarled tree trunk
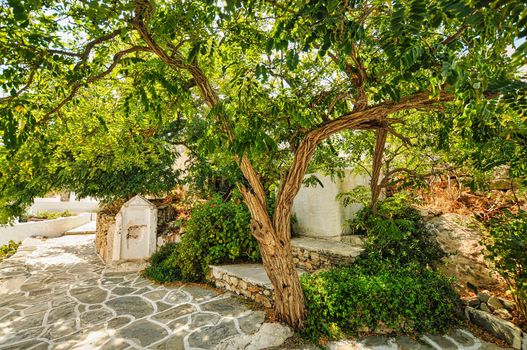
278	263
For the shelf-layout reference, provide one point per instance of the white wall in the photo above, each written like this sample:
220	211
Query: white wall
55	205
319	214
48	228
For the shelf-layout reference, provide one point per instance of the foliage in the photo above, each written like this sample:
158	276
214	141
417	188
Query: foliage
265	81
45	215
396	266
8	249
396	236
162	267
358	195
217	232
507	247
107	155
351	300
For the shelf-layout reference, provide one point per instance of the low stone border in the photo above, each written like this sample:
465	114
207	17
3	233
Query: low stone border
259	291
312	254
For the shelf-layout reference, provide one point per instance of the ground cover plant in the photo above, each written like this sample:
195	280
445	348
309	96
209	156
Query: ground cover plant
45	215
8	249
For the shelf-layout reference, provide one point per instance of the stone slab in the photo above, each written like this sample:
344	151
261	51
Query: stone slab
327	246
251	273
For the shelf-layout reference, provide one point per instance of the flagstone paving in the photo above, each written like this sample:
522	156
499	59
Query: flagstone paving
57	294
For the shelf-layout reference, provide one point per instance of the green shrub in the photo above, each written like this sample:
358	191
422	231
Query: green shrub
45	215
507	247
345	301
218	232
393	283
9	249
396	236
161	268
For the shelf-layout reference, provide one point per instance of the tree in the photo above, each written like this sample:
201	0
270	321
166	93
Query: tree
272	79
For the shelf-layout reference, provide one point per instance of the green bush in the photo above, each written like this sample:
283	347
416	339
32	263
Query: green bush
9	249
345	301
393	283
507	247
218	232
396	236
161	266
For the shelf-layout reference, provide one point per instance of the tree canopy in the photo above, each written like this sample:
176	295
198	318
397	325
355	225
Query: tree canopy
257	83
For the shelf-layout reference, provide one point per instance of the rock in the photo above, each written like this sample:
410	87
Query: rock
203	319
89	295
494	304
175	312
459	236
407	343
484	296
269	335
344	345
504	314
130	305
502	329
484	307
251	323
470	301
175	342
243	284
177	297
91	318
463	338
439	341
209	337
229	307
508	304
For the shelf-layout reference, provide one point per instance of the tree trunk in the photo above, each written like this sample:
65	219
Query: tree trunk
380	142
278	263
275	249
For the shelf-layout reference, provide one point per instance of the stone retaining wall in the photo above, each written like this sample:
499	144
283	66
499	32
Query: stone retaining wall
261	294
312	255
105	222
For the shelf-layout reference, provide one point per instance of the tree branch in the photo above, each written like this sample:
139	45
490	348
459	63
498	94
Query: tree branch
22	89
76	86
353	120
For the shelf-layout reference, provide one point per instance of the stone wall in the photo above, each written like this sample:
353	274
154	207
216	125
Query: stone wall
461	237
105	223
314	254
261	293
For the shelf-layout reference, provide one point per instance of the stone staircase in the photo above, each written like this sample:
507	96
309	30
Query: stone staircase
309	255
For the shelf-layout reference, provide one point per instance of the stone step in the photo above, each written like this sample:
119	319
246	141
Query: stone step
249	280
312	254
86	229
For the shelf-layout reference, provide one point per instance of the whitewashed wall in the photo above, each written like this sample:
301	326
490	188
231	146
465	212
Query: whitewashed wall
48	228
53	204
319	214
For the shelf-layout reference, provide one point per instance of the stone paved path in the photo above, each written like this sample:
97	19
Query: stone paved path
458	339
56	294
